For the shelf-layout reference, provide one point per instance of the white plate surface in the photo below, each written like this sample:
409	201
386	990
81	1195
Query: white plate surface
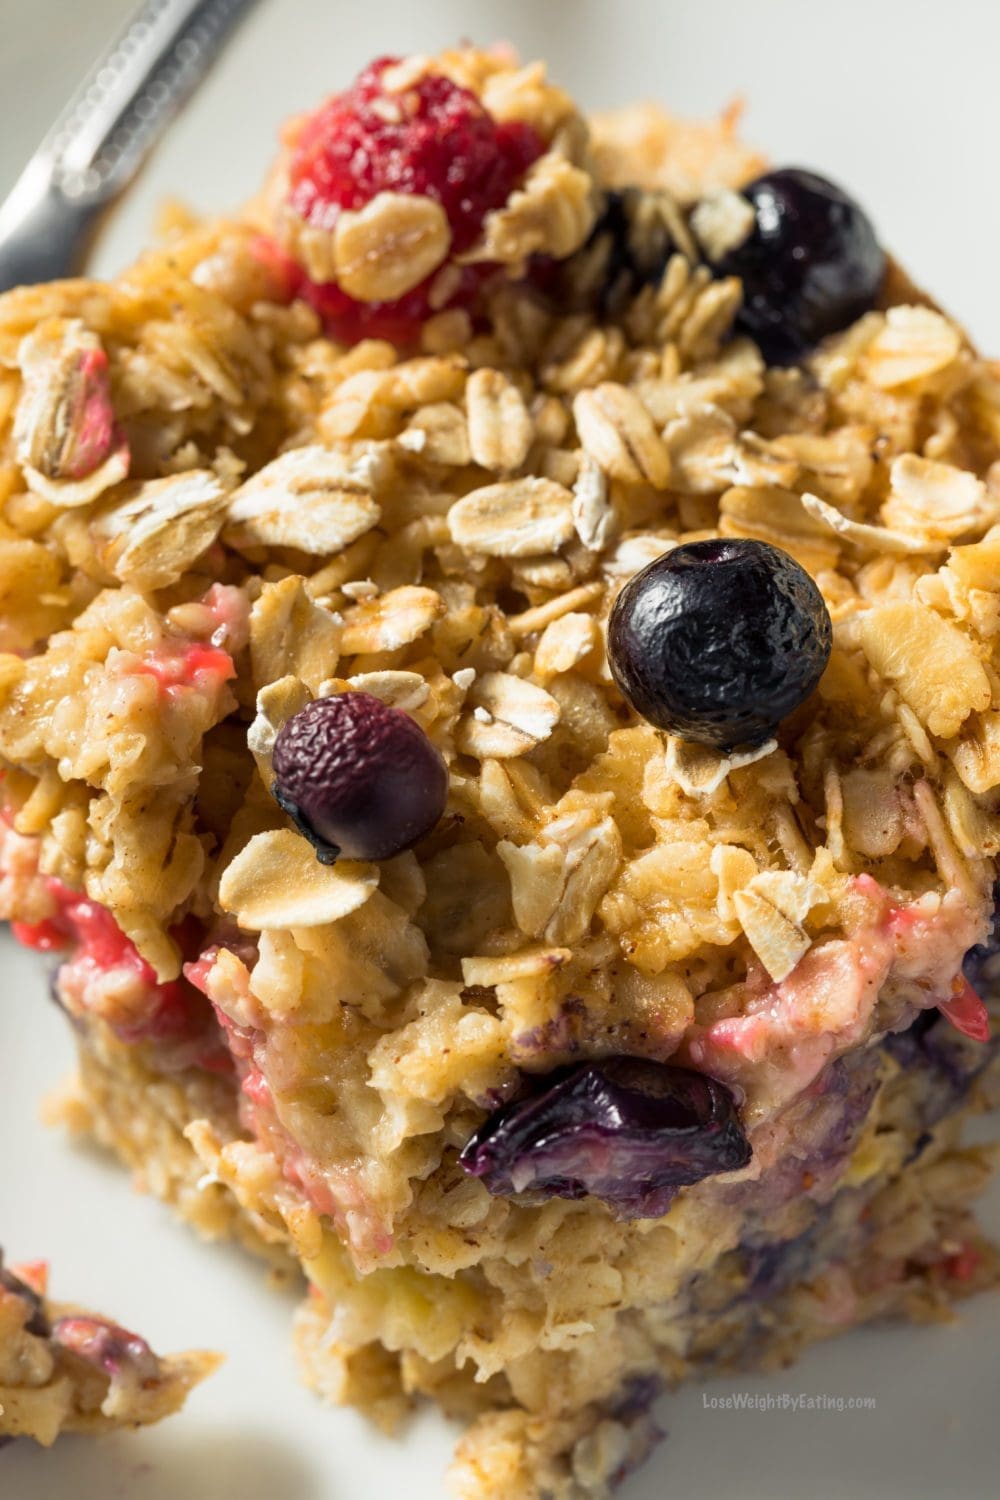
897	100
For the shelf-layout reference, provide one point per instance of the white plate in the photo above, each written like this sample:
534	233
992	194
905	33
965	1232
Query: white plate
895	99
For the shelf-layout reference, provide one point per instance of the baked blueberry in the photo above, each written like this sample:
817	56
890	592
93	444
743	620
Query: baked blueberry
810	265
626	1130
718	641
360	779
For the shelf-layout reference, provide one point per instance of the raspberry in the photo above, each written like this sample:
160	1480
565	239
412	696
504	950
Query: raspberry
434	139
398	322
167	1012
192	664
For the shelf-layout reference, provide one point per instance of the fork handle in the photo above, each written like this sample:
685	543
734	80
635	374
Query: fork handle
101	139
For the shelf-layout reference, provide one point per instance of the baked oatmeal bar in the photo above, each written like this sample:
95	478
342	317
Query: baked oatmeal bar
502	731
65	1370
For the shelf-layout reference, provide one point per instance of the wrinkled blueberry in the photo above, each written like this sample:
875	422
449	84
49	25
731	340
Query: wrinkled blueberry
628	249
718	641
625	1130
810	265
360	779
37	1323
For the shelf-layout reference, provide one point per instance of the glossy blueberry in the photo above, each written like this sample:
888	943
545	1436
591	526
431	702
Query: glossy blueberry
718	641
360	779
810	265
625	1130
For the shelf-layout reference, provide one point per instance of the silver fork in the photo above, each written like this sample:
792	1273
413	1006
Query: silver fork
104	134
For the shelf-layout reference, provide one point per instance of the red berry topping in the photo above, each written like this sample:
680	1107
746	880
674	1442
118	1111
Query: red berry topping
397	322
435	139
188	665
167	1013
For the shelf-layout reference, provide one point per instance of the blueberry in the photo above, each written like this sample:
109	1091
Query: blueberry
625	1130
810	265
360	779
718	641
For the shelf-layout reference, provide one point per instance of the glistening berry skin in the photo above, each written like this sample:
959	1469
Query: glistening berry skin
810	266
435	139
624	1129
360	779
718	641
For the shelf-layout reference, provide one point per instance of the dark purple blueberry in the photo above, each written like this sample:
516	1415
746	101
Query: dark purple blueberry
37	1323
107	1347
810	265
718	641
360	779
625	1130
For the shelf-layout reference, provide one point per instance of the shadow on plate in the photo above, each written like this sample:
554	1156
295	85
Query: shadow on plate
166	1464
